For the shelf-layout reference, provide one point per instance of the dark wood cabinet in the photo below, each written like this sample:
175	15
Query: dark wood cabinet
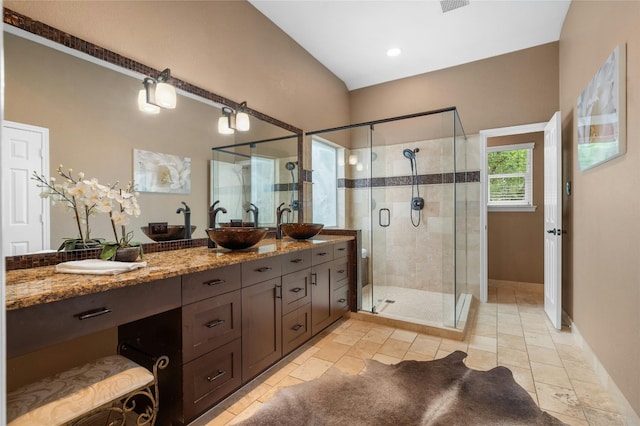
261	327
321	297
236	321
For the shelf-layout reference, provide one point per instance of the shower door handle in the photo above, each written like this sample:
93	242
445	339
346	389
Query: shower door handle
387	222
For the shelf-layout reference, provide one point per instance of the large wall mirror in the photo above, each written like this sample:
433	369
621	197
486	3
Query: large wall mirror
89	108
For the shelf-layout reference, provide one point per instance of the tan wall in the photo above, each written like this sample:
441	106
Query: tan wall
605	205
516	239
507	90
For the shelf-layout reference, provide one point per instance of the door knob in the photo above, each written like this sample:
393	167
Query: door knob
554	231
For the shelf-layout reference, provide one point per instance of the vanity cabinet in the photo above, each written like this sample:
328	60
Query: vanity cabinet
236	321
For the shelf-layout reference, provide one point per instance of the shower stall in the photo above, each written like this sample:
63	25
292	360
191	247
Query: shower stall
404	182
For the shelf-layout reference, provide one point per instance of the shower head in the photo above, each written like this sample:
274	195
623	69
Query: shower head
409	154
290	165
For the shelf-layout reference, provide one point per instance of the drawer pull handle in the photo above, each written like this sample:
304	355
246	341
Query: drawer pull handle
214	323
219	374
296	327
214	282
342	249
263	269
93	313
324	253
341	271
342	300
297	260
297	289
278	292
314	278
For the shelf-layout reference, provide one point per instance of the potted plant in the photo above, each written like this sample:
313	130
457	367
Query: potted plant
123	206
85	198
78	196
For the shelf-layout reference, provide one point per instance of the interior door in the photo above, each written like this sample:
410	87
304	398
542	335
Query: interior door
26	215
553	220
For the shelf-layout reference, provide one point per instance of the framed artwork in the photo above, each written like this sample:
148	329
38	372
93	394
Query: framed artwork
157	172
601	113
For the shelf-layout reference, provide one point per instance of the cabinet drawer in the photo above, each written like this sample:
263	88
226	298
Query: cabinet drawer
340	301
296	290
340	249
210	378
210	323
295	261
296	328
339	271
38	326
260	270
321	254
202	285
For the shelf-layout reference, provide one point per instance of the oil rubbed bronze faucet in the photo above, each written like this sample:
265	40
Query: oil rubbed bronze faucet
254	209
213	212
279	213
187	220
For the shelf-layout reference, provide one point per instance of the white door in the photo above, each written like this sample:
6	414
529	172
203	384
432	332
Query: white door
553	220
25	149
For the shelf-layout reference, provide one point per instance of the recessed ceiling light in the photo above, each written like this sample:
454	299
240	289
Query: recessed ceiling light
394	52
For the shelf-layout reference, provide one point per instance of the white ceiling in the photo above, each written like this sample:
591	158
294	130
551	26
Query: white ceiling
351	37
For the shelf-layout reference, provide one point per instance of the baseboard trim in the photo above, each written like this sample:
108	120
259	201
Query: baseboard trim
630	416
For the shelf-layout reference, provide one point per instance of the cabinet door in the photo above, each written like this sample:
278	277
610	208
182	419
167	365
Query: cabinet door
321	297
261	327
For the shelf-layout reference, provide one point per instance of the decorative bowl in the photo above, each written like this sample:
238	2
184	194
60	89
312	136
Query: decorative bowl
301	231
236	238
173	232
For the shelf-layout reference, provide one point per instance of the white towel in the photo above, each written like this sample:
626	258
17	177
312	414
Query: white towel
98	267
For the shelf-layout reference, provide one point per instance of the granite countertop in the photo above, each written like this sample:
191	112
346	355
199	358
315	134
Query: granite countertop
29	287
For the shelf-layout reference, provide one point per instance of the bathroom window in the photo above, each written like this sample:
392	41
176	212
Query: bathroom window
324	158
510	177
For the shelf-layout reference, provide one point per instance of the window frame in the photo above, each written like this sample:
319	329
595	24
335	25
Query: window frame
512	206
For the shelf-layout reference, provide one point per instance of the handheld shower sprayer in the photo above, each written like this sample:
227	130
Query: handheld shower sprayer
417	202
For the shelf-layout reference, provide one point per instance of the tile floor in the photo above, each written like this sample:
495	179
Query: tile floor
511	330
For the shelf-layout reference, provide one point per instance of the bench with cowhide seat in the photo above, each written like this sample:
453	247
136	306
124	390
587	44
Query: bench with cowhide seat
104	388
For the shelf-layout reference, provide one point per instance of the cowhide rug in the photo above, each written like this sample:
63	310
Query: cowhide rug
440	392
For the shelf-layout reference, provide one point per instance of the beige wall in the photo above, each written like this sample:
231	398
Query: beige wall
507	90
516	239
605	205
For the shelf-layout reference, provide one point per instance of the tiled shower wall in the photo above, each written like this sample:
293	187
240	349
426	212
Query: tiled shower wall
418	257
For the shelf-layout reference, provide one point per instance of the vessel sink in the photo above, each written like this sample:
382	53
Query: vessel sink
301	231
236	238
173	232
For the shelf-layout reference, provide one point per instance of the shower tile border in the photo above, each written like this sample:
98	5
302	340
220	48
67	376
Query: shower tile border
428	179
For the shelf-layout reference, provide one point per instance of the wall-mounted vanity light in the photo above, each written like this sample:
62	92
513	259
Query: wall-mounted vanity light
233	120
157	93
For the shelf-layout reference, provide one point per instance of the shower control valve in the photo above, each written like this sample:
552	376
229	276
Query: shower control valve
417	203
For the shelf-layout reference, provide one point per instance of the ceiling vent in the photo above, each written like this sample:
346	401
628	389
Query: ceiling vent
449	5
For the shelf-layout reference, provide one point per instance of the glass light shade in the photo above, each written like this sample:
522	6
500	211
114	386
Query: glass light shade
242	121
165	95
359	167
144	106
223	126
353	159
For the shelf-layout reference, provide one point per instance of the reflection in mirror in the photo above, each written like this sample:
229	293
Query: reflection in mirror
90	111
254	176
